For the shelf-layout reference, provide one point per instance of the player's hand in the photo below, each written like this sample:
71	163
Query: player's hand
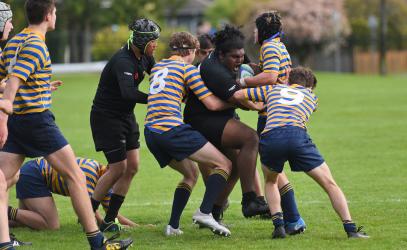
3	129
55	85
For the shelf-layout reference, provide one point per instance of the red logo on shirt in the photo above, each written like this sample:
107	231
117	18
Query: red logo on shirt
136	76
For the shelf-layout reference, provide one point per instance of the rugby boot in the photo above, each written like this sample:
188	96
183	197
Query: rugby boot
113	244
170	231
297	227
279	233
17	243
112	226
358	234
254	207
207	221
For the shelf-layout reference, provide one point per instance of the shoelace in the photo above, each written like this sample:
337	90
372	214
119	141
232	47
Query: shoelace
359	230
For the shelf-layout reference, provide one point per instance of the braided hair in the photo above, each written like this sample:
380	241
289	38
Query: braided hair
143	31
268	24
227	39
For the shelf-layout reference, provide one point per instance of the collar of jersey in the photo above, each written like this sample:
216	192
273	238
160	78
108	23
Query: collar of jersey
28	30
176	58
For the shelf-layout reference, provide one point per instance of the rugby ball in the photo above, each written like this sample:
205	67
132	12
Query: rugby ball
246	71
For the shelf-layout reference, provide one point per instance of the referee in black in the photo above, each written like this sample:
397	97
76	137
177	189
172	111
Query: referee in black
114	127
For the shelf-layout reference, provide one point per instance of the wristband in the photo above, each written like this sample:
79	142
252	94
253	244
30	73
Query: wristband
242	82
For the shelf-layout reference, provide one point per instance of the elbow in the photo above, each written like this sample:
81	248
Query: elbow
213	107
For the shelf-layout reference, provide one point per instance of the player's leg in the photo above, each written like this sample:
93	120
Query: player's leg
294	224
120	189
274	201
237	135
322	175
182	193
38	213
9	165
215	184
64	162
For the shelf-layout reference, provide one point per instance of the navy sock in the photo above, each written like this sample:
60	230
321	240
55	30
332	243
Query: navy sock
216	212
115	203
288	204
181	197
6	246
95	239
95	204
349	226
214	185
278	219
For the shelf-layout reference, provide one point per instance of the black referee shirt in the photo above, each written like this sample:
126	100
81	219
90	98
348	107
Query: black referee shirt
118	85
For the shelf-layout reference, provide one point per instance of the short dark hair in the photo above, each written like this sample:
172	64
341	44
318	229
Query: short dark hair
182	43
268	24
302	76
36	10
229	38
205	41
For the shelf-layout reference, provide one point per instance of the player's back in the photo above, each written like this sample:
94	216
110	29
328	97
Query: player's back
170	80
288	105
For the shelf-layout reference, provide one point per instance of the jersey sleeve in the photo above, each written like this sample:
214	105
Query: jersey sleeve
124	71
2	66
195	84
219	81
30	57
258	94
271	59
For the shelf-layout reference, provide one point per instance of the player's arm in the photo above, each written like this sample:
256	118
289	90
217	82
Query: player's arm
126	221
125	77
13	83
213	103
258	94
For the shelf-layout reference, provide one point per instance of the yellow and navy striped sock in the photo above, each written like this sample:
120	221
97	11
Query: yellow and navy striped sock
6	245
12	213
181	197
288	204
214	185
95	239
278	219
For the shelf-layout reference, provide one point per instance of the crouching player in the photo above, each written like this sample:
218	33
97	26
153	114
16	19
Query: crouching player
174	143
285	139
34	188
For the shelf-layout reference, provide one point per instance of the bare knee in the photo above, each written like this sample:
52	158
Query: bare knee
132	169
251	138
191	177
54	226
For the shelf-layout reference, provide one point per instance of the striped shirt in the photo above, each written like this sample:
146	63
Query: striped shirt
56	184
274	58
26	56
286	105
170	80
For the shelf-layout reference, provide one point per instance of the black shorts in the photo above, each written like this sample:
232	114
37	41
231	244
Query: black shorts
210	126
114	134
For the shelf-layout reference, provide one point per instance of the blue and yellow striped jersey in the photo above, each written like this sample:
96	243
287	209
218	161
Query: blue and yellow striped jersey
274	58
170	80
26	56
286	105
56	184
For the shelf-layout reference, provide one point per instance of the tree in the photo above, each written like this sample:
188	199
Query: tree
311	24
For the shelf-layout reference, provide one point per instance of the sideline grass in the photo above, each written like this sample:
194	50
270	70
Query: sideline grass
360	128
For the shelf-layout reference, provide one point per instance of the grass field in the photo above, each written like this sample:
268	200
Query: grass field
360	128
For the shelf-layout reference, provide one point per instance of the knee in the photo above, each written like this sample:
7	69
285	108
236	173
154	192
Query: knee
54	226
191	178
251	139
132	169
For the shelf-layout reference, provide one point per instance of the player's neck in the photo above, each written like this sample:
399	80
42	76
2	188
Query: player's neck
136	51
39	28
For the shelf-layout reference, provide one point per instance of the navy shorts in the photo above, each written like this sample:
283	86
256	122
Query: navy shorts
31	183
178	143
291	144
261	124
33	135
